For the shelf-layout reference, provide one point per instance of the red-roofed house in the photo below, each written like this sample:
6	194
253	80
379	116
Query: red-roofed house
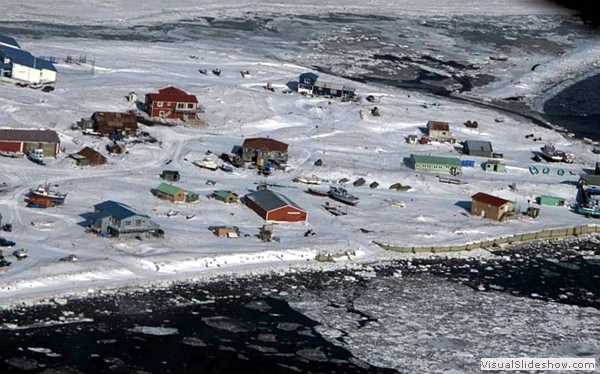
492	207
172	103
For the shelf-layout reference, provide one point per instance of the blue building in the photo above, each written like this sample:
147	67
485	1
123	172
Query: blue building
20	65
116	219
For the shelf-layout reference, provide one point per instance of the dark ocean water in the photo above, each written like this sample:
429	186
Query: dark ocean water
577	108
247	326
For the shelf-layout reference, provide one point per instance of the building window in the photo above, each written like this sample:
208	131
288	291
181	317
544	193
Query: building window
159	104
180	106
190	106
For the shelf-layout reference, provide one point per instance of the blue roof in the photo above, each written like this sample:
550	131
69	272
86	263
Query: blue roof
25	58
117	210
4	39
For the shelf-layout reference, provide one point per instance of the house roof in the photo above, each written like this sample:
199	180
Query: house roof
478	145
490	199
25	58
223	194
426	159
266	144
9	41
439	126
32	135
117	210
169	189
115	117
269	200
91	154
172	94
333	86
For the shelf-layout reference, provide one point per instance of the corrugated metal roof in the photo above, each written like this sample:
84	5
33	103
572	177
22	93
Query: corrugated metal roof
478	145
117	210
91	154
266	144
22	135
169	189
439	126
269	200
8	40
25	58
424	159
489	199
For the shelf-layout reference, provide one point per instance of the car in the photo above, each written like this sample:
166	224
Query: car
6	243
20	254
69	258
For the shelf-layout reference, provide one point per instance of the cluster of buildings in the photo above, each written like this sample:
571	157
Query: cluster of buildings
19	65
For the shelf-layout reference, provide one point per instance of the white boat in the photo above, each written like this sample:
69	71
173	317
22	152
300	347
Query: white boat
207	164
45	192
550	153
308	180
12	154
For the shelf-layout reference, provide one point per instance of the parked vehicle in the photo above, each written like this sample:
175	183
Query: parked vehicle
37	156
6	243
20	254
69	258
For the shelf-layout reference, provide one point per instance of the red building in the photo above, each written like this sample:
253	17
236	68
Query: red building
274	207
172	103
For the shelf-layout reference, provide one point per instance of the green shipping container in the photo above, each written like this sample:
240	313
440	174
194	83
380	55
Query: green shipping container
551	200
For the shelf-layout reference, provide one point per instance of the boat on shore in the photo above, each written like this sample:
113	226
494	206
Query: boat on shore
551	154
44	197
342	195
12	154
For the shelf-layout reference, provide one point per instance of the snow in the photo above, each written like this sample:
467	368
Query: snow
236	107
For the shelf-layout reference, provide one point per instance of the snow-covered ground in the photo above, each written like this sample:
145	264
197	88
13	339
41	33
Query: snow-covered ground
373	148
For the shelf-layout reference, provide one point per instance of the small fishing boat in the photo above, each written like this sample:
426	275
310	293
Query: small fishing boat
44	197
342	195
308	180
207	164
551	154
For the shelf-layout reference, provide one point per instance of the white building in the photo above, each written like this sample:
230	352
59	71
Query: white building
20	65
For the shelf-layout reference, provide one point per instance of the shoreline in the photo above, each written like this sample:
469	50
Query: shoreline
386	257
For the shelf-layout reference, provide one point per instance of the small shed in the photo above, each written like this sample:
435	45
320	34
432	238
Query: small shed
226	196
88	157
478	148
439	131
170	175
225	231
550	200
494	166
175	194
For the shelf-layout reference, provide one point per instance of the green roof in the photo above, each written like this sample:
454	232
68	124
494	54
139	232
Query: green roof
168	189
439	160
223	194
549	197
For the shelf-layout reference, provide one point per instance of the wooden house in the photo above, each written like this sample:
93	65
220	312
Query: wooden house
24	141
263	150
438	131
115	123
172	103
492	207
174	194
116	219
274	207
226	196
88	157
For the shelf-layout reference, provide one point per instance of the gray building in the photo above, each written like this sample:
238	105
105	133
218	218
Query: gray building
478	148
116	219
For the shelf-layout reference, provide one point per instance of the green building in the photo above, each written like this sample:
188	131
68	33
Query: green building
226	196
494	166
436	164
551	200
